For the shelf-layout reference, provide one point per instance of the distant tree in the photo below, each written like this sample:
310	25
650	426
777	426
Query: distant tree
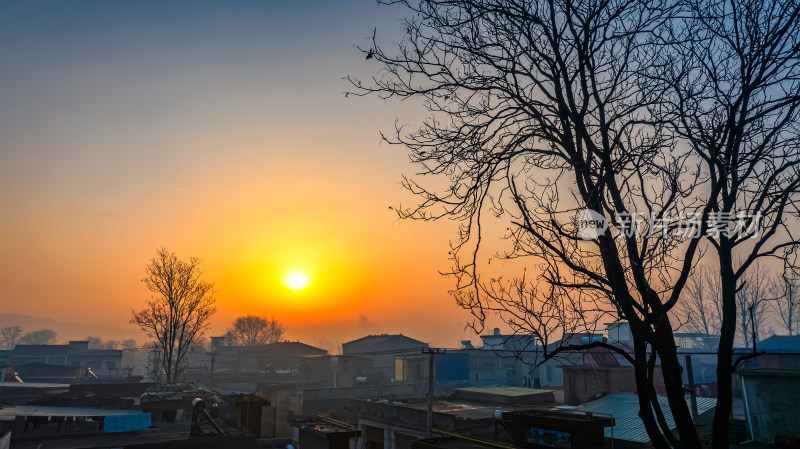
98	343
94	342
251	330
787	304
201	345
700	309
129	343
178	313
10	336
231	339
757	288
40	337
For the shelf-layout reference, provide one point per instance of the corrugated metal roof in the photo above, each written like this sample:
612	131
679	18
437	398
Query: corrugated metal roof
46	410
624	407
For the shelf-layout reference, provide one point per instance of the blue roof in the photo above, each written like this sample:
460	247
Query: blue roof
624	407
780	343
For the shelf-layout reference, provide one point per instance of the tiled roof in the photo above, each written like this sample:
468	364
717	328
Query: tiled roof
624	407
383	338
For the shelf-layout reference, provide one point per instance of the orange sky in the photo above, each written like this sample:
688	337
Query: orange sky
218	130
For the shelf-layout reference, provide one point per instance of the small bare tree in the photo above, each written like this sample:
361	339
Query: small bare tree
787	304
10	336
177	314
701	309
757	287
252	330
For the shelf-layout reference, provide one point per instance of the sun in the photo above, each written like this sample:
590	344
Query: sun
297	280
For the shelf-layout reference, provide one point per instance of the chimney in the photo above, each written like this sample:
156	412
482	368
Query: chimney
78	346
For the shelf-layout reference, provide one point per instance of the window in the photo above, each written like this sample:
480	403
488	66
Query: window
345	366
111	364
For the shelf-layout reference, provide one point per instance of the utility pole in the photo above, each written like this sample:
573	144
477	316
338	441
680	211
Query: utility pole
213	355
431	375
753	326
691	387
753	329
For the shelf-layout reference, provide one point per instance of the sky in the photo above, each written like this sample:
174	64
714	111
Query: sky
218	130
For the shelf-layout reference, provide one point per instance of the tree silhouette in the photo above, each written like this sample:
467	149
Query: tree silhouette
177	314
10	336
251	330
734	99
661	118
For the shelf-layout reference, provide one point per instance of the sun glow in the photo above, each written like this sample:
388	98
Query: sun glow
297	280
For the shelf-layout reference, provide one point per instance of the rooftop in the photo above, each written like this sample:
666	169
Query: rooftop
382	338
457	408
285	346
39	349
780	343
505	395
624	407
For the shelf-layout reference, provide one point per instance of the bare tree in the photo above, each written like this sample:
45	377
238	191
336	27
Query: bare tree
129	343
231	339
757	287
734	71
700	308
538	110
10	336
787	304
251	330
177	314
40	337
98	343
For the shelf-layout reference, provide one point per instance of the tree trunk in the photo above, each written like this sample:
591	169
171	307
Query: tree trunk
725	350
644	387
671	370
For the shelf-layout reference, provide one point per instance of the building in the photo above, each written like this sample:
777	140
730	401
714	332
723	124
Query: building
497	341
4	355
279	356
472	412
325	433
101	362
382	349
336	370
771	390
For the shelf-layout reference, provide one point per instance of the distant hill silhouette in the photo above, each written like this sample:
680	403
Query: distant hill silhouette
70	331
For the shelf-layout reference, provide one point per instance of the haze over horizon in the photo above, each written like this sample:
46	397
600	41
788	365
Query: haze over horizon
218	131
